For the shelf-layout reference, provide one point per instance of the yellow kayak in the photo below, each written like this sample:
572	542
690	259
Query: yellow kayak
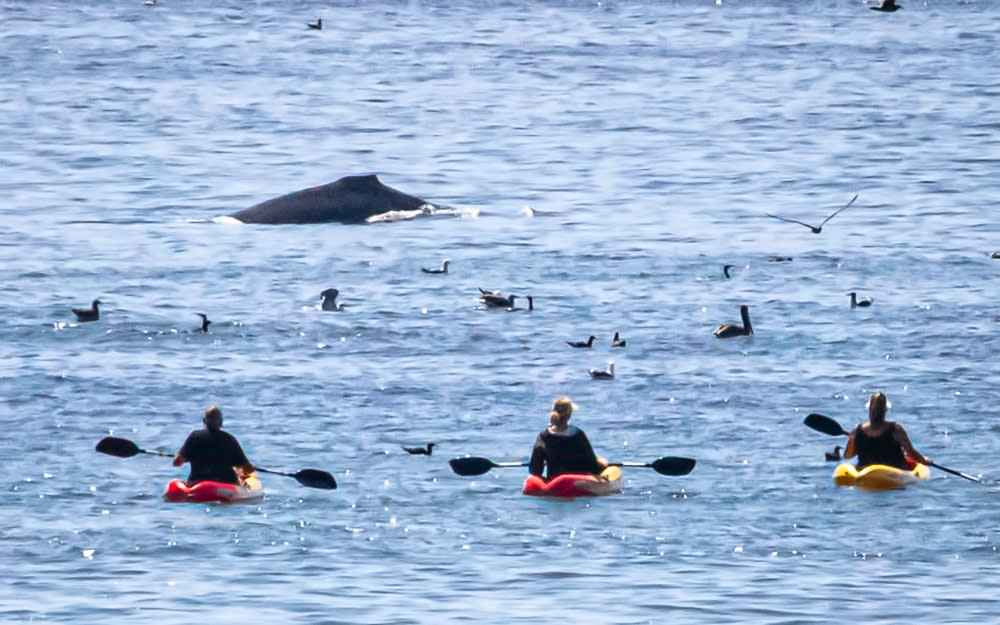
878	476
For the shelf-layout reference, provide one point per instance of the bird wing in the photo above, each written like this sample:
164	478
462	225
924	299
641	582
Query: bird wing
838	211
794	221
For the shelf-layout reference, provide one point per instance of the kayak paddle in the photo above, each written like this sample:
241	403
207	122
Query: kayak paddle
478	466
667	465
826	425
123	448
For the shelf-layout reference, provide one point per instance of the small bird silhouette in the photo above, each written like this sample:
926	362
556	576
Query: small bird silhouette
588	343
819	228
995	255
780	259
531	304
317	26
204	321
729	330
420	451
617	341
609	374
887	6
330	300
725	270
495	300
833	456
855	302
443	269
84	315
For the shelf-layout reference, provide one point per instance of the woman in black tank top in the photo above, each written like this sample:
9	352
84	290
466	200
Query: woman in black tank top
880	441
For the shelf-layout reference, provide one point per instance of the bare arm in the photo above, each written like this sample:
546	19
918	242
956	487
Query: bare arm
900	436
179	459
849	449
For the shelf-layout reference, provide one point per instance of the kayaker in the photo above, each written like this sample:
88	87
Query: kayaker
562	448
880	441
214	454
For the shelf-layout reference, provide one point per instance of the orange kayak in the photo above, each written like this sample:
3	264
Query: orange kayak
570	485
178	491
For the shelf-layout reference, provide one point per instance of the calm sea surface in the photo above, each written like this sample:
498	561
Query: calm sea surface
655	137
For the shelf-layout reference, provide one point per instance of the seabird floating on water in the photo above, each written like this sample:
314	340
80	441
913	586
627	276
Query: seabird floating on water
833	456
588	343
819	228
531	304
596	374
443	269
729	330
330	300
420	451
887	6
617	341
204	321
725	270
855	302
317	26
88	314
495	300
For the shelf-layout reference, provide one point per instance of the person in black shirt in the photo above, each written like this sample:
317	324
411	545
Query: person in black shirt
562	448
214	454
880	441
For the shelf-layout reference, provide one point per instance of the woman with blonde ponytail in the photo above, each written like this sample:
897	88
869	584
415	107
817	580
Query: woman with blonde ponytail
880	441
562	448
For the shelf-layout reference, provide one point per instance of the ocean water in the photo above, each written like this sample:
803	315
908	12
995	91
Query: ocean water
651	139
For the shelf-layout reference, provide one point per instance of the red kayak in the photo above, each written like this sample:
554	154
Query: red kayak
178	491
570	485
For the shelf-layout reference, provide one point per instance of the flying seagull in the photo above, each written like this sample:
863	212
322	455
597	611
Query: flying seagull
819	228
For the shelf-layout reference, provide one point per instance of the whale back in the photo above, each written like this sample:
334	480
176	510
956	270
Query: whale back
351	199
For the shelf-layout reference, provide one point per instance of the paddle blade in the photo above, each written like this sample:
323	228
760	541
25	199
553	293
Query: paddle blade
314	478
470	466
672	465
117	447
824	424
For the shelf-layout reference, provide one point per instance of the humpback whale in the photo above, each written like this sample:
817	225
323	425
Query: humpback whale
352	199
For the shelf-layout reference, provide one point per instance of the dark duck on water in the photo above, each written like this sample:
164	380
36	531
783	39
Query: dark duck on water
887	6
729	330
84	315
419	451
204	321
597	374
495	300
855	302
443	269
588	343
330	300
